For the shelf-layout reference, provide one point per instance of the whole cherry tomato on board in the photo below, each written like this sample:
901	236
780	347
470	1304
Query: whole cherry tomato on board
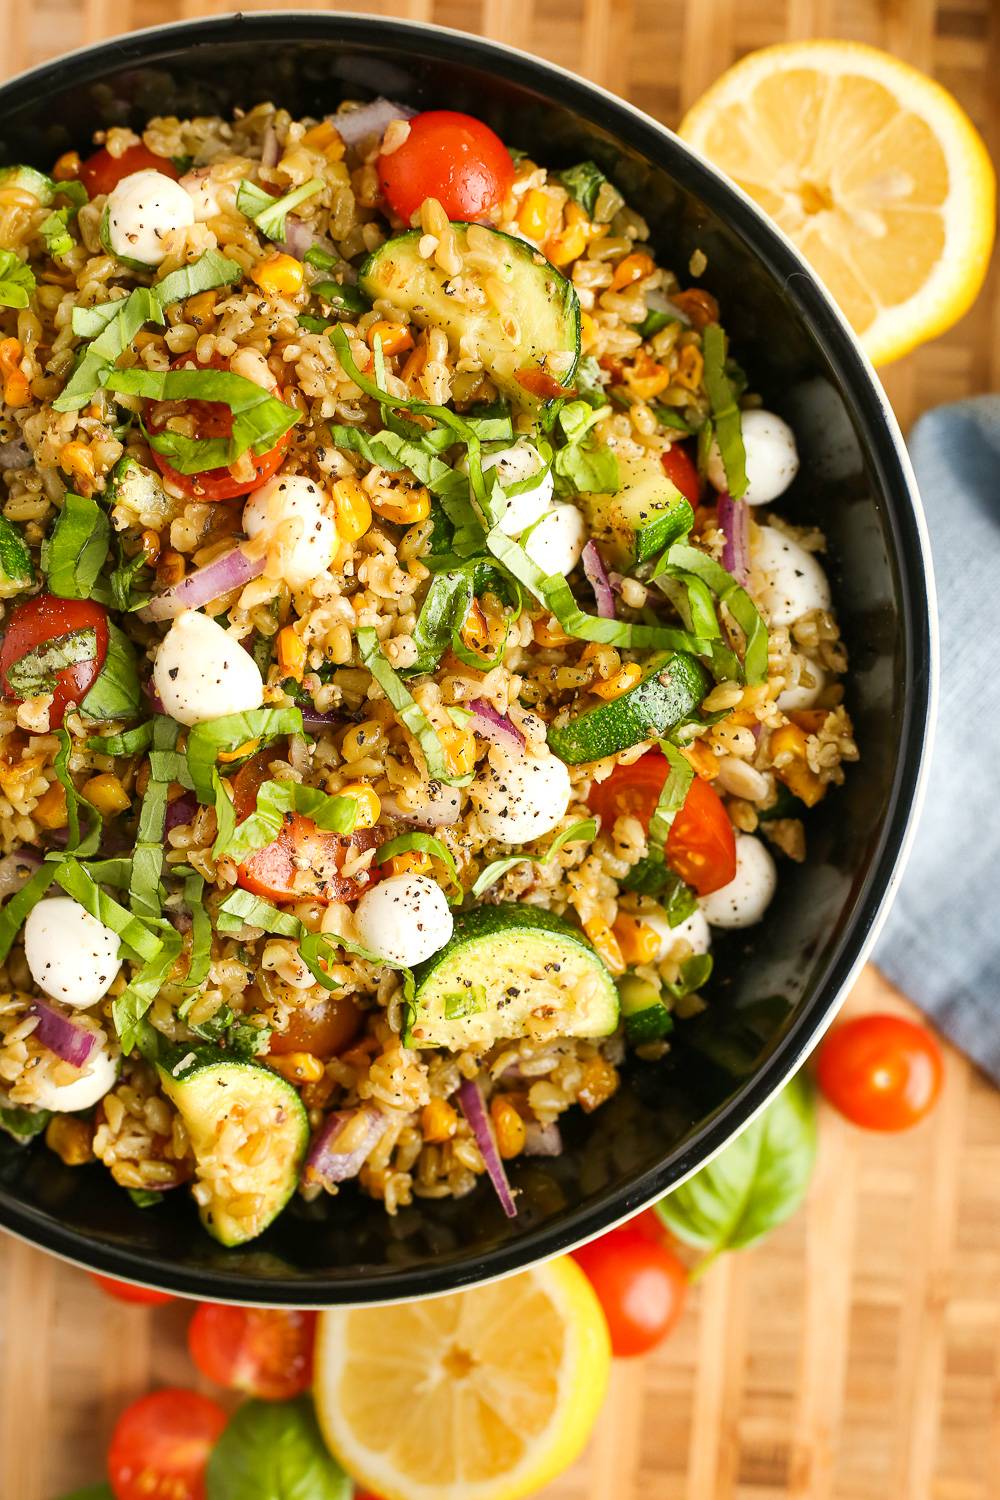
882	1072
451	157
265	1351
641	1286
161	1445
102	172
44	631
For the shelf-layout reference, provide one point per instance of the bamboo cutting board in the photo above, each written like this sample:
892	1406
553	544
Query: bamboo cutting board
856	1354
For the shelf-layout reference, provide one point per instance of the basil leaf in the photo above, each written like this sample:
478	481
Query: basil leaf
668	417
736	599
205	741
77	548
145	1198
392	452
55	232
129	1008
269	213
584	183
725	412
96	363
17	280
425	843
243	908
208	272
695	973
16	571
344	300
116	694
116	871
275	800
23	1124
272	1451
74	801
672	796
122	581
130	742
755	1183
586	468
585	831
37	670
147	858
15	910
446	608
76	882
407	710
200	958
651	877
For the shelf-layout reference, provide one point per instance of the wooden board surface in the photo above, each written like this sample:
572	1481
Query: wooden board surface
855	1355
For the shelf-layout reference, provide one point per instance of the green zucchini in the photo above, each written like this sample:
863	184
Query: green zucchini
31	181
16	571
644	515
643	1011
668	694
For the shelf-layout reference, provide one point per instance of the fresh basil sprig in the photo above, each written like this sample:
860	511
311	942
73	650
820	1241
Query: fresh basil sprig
275	800
272	1451
76	549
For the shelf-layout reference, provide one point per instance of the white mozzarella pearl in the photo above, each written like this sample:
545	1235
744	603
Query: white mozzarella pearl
812	680
787	580
772	459
432	804
289	497
404	919
143	209
72	956
520	797
743	902
206	193
96	1078
514	466
557	541
694	930
201	673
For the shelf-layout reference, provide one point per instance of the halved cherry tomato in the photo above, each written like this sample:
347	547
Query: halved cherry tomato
102	172
323	1029
451	157
267	1352
212	419
641	1286
44	621
125	1291
681	470
701	844
882	1072
161	1445
538	382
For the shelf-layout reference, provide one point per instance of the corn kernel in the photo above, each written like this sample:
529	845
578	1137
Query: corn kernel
638	941
632	268
599	1082
67	167
646	378
507	1126
533	218
700	306
17	391
809	719
10	355
324	137
788	751
396	337
369	807
50	810
76	458
279	273
404	508
107	794
170	568
549	634
438	1121
361	740
412	862
353	509
588	330
605	942
71	1139
459	749
475	631
291	653
622	682
567	246
298	1067
200	309
703	759
690	366
151	547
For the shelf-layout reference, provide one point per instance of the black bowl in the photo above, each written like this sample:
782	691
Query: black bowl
780	986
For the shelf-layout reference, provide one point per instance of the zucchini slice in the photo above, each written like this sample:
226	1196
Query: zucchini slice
30	181
504	966
538	332
667	695
646	513
643	1011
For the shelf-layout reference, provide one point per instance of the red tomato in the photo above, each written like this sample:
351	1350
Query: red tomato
650	1226
267	1352
323	1029
44	619
212	419
701	844
641	1286
161	1445
680	469
124	1291
451	157
102	171
882	1072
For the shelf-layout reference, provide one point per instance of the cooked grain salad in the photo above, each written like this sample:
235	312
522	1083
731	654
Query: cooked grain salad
402	671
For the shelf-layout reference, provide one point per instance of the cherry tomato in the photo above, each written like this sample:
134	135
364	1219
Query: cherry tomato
267	1352
323	1029
680	469
161	1445
102	172
882	1072
45	619
451	157
650	1226
641	1286
701	844
212	419
124	1291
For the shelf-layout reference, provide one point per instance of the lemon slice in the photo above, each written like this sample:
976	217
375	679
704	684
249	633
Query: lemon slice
875	172
481	1395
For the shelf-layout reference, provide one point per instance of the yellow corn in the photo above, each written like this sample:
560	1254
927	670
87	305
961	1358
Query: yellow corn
788	752
550	634
71	1139
291	653
604	940
404	508
475	632
809	719
200	309
326	138
588	329
533	217
10	354
599	1082
633	268
361	739
412	862
107	794
353	509
459	749
438	1121
396	337
279	273
67	167
646	378
567	246
702	758
507	1126
241	752
629	676
369	808
16	390
298	1067
170	568
638	941
76	458
690	366
50	810
151	546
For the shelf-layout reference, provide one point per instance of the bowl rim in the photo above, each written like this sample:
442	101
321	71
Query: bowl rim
888	459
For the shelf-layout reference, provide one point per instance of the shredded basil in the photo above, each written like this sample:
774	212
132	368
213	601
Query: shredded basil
206	274
584	183
725	412
205	741
37	670
735	598
77	882
131	1005
671	799
583	466
651	877
243	909
200	959
130	742
425	843
142	1198
345	301
24	1124
668	417
275	800
54	230
585	831
446	608
122	581
17	280
129	315
77	548
407	710
82	847
116	694
695	973
15	910
147	860
269	213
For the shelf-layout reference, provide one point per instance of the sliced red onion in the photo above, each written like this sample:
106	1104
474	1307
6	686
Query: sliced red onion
356	125
152	697
734	520
269	149
470	1097
325	1164
223	574
597	577
300	237
493	726
180	811
657	301
617	581
542	1140
15	454
61	1035
16	870
313	719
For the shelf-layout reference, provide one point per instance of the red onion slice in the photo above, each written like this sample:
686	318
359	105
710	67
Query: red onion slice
180	811
223	574
355	125
734	520
494	726
542	1140
300	237
16	870
597	577
470	1097
328	1166
269	148
15	454
61	1035
657	301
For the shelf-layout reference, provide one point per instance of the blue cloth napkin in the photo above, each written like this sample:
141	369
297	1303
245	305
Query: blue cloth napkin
941	944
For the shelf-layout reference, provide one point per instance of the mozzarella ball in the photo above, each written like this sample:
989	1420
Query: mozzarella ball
694	930
772	459
557	541
787	580
143	210
432	804
72	956
292	498
206	193
743	902
514	466
519	797
404	919
812	680
201	673
96	1078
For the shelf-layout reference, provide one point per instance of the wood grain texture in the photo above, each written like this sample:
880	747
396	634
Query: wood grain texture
856	1355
